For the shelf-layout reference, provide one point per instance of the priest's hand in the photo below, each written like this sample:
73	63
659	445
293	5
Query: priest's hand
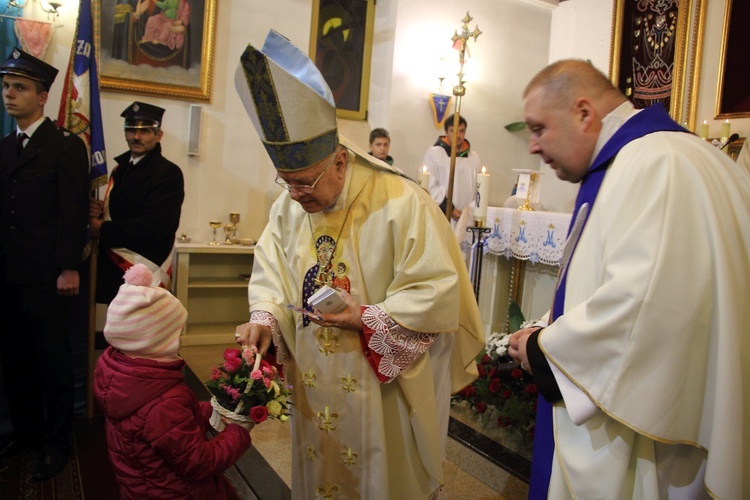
517	347
349	319
253	334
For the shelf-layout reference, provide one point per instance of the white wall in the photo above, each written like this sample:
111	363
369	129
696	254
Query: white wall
233	172
519	37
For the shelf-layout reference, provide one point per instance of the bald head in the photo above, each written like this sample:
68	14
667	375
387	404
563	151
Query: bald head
564	106
565	81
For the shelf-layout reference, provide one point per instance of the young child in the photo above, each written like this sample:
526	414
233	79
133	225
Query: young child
156	428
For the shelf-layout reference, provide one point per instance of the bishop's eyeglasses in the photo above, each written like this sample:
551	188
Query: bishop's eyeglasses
303	188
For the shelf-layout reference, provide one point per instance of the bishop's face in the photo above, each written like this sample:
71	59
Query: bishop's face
327	178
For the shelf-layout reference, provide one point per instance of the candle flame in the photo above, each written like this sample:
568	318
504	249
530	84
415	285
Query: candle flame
424	169
705	122
727	120
484	170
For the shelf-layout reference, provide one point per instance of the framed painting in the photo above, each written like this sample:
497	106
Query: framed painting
164	51
733	91
655	54
341	46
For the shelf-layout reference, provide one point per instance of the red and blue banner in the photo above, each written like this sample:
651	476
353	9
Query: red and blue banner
80	107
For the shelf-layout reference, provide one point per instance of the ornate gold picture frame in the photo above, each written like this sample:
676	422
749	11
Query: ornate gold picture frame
146	50
733	89
341	46
674	27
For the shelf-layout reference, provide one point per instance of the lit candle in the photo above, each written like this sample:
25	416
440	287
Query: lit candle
703	133
483	192
726	130
424	177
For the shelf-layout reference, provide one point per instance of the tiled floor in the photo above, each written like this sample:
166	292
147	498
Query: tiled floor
467	474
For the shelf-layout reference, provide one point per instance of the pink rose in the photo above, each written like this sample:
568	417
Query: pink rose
231	353
256	375
259	414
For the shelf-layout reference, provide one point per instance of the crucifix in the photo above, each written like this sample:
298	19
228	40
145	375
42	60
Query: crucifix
459	42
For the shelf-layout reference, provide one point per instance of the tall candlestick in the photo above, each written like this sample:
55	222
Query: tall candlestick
726	131
703	133
424	177
483	192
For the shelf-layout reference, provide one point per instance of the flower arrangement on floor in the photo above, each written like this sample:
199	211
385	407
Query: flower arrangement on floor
503	394
247	389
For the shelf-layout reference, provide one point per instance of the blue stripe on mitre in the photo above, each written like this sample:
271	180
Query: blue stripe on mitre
263	92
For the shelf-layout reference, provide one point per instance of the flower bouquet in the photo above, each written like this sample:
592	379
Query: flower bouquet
503	393
247	390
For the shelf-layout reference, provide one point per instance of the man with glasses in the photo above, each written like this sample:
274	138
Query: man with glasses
372	384
138	218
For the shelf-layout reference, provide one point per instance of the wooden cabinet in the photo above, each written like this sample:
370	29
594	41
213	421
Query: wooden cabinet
211	282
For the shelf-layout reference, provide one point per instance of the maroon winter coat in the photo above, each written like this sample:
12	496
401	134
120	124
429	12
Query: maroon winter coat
156	431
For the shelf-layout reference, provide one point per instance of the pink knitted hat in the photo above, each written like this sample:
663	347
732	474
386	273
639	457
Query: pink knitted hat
143	320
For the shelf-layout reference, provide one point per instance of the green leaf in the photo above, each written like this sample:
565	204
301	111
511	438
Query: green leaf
515	126
515	317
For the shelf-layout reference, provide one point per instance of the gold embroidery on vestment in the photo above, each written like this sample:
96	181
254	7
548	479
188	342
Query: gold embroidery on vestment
349	457
349	383
328	340
308	378
328	420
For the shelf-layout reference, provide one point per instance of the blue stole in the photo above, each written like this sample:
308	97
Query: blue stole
650	120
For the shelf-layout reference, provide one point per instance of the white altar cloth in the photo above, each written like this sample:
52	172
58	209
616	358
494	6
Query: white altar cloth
524	235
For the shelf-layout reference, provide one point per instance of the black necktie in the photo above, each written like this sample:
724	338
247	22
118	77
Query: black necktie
19	140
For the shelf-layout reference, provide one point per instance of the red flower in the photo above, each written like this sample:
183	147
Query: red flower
531	388
481	407
506	394
486	359
468	391
482	370
495	385
232	353
232	364
517	373
259	414
493	373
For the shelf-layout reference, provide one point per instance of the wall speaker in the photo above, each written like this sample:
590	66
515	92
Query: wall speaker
194	130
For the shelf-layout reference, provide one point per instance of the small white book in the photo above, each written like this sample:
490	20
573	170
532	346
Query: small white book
327	300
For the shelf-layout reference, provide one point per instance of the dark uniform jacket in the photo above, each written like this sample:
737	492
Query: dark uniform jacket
44	205
144	204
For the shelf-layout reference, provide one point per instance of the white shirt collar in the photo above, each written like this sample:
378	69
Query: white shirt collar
611	124
31	128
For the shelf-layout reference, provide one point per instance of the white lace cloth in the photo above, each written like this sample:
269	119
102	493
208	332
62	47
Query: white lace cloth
525	235
398	346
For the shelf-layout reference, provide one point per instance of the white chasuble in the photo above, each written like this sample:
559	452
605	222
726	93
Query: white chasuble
389	245
658	294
